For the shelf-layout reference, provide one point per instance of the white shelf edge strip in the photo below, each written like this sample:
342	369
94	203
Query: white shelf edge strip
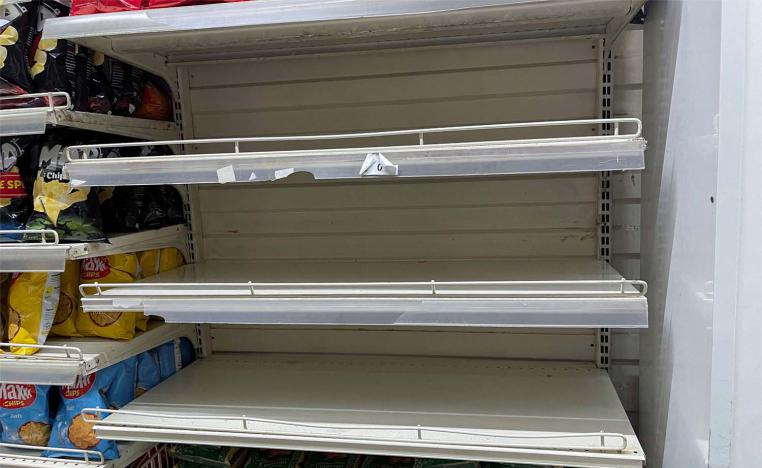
492	157
39	254
89	456
375	289
417	430
81	151
30	120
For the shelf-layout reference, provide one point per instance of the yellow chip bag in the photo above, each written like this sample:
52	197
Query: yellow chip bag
32	302
153	262
120	268
68	305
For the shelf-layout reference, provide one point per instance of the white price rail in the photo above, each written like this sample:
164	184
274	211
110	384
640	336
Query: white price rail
55	108
48	254
421	158
61	360
548	413
539	293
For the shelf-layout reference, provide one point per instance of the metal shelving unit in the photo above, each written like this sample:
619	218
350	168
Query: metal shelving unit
544	413
537	412
60	360
44	112
51	255
541	293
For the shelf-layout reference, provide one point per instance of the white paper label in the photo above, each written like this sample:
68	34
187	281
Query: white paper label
76	182
376	164
225	175
283	173
253	176
126	303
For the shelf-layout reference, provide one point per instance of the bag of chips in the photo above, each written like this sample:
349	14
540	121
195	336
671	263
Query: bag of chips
72	211
120	268
55	66
32	303
174	355
122	208
88	7
122	389
68	304
155	103
70	430
176	3
153	262
15	200
25	414
149	374
17	29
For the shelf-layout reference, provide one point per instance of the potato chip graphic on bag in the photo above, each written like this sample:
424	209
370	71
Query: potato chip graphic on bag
120	268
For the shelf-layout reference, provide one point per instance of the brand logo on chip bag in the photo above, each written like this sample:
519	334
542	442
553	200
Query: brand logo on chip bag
95	268
11	185
14	396
80	387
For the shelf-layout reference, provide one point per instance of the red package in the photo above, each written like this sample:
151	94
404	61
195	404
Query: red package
88	7
175	3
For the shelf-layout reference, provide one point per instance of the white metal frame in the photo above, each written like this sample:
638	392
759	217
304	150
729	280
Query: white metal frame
89	457
30	120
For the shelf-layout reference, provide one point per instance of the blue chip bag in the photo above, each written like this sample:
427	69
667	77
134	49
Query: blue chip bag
122	389
25	414
70	430
174	355
149	374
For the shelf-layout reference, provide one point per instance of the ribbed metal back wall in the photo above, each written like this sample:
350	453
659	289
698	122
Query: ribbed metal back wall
298	219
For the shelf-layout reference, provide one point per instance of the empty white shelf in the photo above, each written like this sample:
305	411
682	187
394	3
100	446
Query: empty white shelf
61	360
50	255
621	151
573	292
547	413
19	456
34	120
210	32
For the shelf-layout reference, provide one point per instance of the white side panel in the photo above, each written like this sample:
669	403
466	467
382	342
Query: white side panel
681	82
736	412
297	219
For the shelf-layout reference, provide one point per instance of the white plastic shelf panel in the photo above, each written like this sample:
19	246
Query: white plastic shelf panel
549	413
52	256
211	32
23	457
61	360
35	119
575	292
418	160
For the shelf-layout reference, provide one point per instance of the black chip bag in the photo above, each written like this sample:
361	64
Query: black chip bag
72	211
15	199
54	66
17	29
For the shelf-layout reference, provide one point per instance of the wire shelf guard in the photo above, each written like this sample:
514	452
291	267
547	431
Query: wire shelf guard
39	252
410	434
419	158
33	113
